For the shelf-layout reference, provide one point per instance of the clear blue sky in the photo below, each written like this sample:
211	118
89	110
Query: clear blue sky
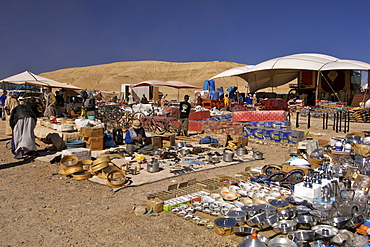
46	35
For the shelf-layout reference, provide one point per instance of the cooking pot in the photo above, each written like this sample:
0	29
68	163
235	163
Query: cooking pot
243	230
228	156
267	222
306	221
354	139
239	215
284	226
258	155
215	158
338	222
304	235
240	151
153	166
324	231
277	242
287	214
184	151
257	219
251	211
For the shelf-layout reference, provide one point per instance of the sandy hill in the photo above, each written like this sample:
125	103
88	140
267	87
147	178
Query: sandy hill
109	77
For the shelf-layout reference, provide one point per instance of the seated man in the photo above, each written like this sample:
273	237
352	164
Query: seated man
23	121
135	138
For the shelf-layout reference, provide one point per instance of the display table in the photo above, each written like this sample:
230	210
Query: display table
42	131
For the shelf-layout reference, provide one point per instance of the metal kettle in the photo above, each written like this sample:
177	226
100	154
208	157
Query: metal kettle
153	166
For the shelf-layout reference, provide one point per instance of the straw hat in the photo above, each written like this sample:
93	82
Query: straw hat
136	124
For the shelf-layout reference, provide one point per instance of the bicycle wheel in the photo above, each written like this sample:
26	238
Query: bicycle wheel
174	126
159	127
148	124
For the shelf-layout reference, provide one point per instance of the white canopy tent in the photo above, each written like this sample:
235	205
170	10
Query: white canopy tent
278	71
28	78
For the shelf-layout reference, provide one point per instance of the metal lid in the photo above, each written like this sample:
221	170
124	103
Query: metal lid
236	213
325	230
266	207
225	222
279	203
249	208
284	224
319	213
321	206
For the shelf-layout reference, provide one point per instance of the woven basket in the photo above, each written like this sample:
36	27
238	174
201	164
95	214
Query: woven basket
116	178
224	231
86	164
97	167
361	149
81	175
73	169
69	160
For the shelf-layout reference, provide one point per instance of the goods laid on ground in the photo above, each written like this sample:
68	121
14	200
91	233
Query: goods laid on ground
69	165
317	198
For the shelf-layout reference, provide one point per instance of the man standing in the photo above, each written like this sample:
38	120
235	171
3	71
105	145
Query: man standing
60	102
2	103
135	138
144	100
130	100
184	113
10	103
88	105
23	121
50	104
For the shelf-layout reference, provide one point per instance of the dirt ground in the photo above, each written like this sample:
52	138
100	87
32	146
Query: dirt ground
39	207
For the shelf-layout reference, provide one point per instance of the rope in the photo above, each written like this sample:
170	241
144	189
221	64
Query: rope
149	212
330	86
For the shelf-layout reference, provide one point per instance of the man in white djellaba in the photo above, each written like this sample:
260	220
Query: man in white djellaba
23	121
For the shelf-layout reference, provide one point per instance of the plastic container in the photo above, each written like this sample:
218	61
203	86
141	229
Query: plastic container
75	144
338	146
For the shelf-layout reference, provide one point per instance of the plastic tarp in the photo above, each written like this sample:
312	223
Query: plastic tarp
278	71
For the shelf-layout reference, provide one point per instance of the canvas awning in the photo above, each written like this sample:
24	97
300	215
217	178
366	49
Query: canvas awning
29	78
278	71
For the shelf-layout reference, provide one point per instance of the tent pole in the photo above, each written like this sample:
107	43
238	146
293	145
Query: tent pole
317	87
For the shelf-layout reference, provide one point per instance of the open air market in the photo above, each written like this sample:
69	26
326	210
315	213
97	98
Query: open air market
212	151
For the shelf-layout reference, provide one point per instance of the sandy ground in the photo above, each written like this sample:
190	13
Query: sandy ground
39	207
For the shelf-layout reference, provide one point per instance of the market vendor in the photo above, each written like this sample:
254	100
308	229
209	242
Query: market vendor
136	139
88	105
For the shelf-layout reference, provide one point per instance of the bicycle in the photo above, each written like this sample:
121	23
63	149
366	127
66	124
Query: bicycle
163	125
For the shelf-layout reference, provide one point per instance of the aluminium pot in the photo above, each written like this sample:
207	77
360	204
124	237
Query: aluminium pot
258	155
303	235
228	156
240	151
153	166
284	226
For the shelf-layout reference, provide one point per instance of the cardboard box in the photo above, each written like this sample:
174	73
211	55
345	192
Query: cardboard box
154	203
91	132
157	141
242	141
80	153
288	168
95	143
